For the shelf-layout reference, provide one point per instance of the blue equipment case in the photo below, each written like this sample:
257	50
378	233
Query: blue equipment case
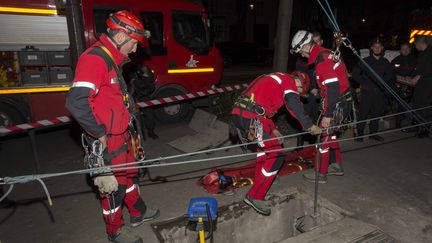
197	208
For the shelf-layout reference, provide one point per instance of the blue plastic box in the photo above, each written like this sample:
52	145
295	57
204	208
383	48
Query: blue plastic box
197	208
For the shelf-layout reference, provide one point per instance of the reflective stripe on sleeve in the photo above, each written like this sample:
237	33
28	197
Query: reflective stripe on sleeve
330	80
276	78
290	91
85	85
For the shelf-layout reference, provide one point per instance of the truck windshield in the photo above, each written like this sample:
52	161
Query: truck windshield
189	30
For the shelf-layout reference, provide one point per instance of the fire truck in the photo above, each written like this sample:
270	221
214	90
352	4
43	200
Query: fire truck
420	21
41	40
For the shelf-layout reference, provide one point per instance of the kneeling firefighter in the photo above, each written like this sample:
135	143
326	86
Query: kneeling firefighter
251	117
99	101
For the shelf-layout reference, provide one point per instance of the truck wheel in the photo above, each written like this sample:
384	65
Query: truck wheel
9	116
175	112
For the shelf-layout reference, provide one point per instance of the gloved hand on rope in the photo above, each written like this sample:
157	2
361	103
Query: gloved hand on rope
314	130
107	183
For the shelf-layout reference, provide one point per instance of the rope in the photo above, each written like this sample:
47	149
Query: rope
149	163
24	179
160	159
269	151
415	115
330	16
7	192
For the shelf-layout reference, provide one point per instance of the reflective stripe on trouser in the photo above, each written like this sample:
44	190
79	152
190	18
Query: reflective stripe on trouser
128	191
330	150
267	164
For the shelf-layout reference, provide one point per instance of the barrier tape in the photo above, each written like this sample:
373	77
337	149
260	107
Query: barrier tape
161	101
192	95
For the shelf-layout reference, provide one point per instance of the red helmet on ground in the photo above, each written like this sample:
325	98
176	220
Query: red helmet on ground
304	79
128	23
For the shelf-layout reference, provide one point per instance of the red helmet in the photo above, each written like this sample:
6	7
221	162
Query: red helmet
305	81
128	23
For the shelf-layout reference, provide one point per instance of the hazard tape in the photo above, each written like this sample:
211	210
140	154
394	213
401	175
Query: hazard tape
66	119
192	95
418	32
36	124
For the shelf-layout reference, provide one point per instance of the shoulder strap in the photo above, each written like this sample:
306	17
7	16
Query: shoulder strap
106	55
135	125
98	51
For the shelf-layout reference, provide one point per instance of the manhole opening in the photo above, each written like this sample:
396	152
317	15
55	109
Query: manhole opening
237	222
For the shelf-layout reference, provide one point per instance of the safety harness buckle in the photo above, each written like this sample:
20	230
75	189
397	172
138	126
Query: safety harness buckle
248	104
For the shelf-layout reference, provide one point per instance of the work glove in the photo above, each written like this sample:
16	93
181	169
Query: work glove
314	130
106	183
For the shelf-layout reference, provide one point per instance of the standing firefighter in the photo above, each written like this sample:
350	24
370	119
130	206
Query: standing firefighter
332	79
251	118
99	101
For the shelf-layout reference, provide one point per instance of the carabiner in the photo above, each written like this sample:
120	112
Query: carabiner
97	148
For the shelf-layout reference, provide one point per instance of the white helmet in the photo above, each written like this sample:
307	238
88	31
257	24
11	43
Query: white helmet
301	38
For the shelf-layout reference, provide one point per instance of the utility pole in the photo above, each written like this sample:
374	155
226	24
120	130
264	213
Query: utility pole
280	57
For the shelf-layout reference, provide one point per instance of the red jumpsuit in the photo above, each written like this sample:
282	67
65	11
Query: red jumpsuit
332	79
96	102
270	92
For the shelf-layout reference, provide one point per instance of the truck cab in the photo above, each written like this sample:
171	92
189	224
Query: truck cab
179	51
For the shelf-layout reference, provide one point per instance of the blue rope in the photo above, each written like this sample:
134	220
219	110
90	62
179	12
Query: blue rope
333	17
335	26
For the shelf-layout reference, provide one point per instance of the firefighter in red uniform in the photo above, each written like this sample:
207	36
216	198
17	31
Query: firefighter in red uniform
251	118
332	79
99	103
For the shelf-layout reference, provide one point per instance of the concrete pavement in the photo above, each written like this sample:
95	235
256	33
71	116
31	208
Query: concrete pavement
386	184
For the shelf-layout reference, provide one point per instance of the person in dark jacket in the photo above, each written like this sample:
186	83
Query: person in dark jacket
404	68
423	81
142	88
373	99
